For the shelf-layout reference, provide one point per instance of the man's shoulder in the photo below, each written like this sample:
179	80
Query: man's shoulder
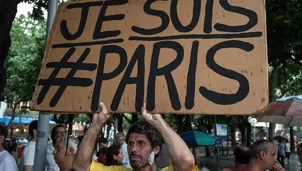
170	168
30	145
95	166
8	156
9	160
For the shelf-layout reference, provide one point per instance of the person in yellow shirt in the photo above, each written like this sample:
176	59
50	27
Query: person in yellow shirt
143	140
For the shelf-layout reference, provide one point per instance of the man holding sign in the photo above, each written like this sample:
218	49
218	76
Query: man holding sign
143	145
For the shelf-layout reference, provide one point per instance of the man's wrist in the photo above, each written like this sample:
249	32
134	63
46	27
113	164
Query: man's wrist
95	128
159	125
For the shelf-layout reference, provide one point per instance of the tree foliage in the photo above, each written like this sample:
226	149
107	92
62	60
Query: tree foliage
24	59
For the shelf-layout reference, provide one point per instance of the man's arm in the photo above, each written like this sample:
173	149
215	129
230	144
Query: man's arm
83	157
182	158
29	157
27	168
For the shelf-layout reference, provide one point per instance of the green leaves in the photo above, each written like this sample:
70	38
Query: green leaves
24	58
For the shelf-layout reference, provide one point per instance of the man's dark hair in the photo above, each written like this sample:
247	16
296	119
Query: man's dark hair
3	131
242	154
33	126
145	128
53	133
258	146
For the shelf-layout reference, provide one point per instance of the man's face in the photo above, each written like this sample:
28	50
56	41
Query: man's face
60	151
139	150
60	132
103	145
270	156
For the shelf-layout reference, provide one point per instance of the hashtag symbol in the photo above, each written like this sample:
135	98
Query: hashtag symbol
69	80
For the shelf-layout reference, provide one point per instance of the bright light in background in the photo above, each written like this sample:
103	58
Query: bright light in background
24	8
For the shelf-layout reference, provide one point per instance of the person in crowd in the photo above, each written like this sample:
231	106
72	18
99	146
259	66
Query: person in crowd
242	157
143	139
277	167
65	156
7	161
119	139
263	156
163	160
102	150
299	153
57	132
28	155
281	152
114	156
287	151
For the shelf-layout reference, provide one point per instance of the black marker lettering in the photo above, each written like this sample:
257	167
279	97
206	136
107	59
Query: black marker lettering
243	91
139	56
85	9
253	18
207	28
165	71
195	18
70	80
102	17
190	97
164	17
101	76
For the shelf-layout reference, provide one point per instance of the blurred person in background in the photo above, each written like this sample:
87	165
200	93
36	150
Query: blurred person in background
64	156
287	151
57	132
7	161
28	155
114	156
103	145
119	139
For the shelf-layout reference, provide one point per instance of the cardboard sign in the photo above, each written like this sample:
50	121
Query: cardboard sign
179	56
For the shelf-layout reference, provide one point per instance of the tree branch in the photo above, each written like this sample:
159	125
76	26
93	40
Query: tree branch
127	119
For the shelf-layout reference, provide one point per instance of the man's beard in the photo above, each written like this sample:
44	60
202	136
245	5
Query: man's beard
137	164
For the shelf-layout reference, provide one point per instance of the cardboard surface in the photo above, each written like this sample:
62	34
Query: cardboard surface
210	60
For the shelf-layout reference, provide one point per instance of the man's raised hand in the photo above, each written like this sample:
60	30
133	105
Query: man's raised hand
100	118
148	117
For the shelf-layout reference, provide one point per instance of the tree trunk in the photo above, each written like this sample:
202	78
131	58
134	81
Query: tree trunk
271	131
188	123
292	141
233	132
14	106
13	116
243	133
8	10
179	123
134	118
207	149
120	123
248	132
272	85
